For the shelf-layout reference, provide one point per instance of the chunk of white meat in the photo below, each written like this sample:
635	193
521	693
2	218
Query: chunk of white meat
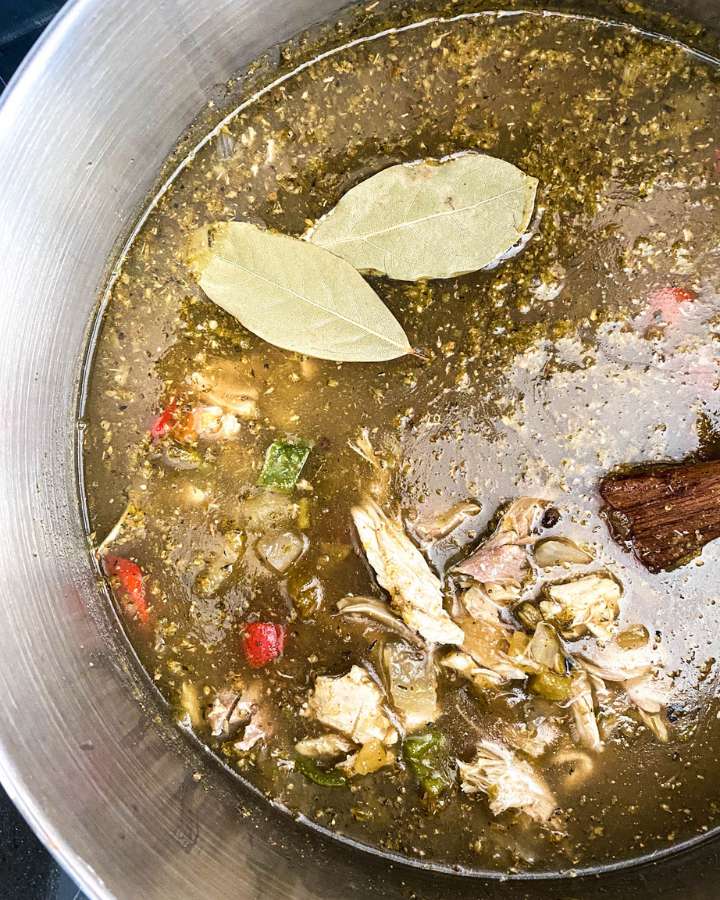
582	705
403	571
240	714
503	560
228	713
638	672
649	694
222	384
479	604
353	705
487	639
212	423
590	603
509	782
532	738
612	663
411	683
506	565
326	746
253	734
480	677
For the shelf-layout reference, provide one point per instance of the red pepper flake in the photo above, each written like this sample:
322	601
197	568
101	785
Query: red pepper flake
163	424
130	582
263	642
668	300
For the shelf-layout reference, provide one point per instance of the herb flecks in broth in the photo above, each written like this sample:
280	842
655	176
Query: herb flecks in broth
238	569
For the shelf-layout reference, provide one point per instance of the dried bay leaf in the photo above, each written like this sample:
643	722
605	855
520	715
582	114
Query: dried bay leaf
294	294
430	219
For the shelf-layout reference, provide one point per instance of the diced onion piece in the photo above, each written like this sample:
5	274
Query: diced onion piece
557	551
545	649
372	608
411	684
281	549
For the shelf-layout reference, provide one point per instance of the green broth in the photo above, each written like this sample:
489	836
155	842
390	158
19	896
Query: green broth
538	376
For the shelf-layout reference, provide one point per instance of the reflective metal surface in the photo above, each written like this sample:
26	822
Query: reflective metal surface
84	752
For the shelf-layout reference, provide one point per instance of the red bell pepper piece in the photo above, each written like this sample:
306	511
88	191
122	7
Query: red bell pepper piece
263	642
130	581
163	424
668	300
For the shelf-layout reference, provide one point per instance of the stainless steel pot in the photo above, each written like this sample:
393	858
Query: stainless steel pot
107	783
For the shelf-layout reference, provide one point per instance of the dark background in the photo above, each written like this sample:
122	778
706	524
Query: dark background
27	871
21	23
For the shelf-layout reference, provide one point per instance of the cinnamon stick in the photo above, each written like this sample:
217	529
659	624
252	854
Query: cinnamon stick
667	513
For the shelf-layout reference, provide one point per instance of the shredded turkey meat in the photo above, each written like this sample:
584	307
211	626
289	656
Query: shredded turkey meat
326	746
611	663
649	694
532	738
465	665
487	639
353	705
228	713
503	560
638	671
582	704
586	604
402	570
509	782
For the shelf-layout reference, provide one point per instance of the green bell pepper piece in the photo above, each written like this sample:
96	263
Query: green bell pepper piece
427	756
324	777
283	464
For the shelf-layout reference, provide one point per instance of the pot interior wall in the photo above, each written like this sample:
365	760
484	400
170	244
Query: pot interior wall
84	750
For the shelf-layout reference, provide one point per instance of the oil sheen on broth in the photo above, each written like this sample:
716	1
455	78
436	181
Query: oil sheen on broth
594	346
